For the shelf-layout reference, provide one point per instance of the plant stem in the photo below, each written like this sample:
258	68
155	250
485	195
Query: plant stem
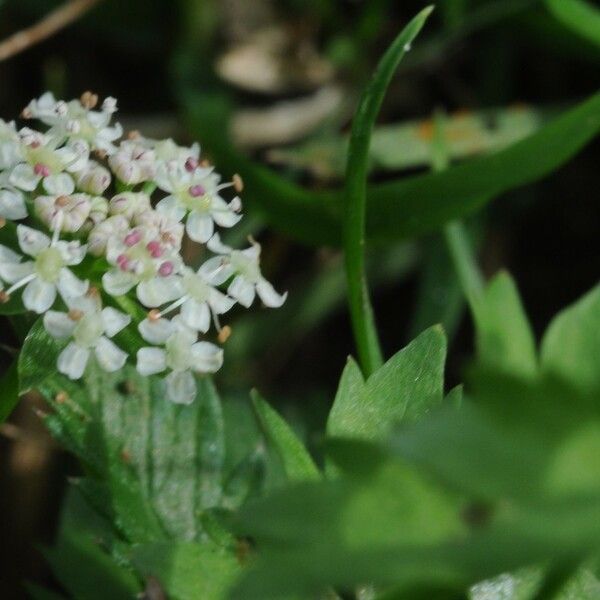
455	233
361	311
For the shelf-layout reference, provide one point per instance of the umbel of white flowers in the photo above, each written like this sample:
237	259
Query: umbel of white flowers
77	190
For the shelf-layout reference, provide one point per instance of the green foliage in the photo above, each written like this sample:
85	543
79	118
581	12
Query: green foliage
406	387
9	384
410	206
578	15
297	462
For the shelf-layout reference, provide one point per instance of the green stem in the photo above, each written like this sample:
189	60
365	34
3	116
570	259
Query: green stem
361	311
455	234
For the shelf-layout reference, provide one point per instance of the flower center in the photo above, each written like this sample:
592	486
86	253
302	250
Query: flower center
88	330
48	264
178	353
245	266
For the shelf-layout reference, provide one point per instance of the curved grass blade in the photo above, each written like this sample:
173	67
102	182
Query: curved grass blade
354	228
579	16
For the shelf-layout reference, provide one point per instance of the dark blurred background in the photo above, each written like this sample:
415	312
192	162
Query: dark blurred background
289	72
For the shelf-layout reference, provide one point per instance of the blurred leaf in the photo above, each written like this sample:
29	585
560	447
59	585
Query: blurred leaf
504	337
87	572
187	570
39	593
403	208
403	389
37	360
571	344
297	462
408	145
578	15
9	384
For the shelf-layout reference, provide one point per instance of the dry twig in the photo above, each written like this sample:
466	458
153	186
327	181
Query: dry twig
54	21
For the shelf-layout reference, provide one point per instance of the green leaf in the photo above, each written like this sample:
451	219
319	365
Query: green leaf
187	570
87	572
37	360
571	345
409	206
158	465
9	384
504	336
578	15
355	193
297	462
404	389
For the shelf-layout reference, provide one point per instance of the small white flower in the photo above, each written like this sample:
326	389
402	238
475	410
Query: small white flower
140	259
182	355
44	161
74	121
163	228
129	204
94	179
133	163
98	238
196	193
90	329
46	274
74	209
98	211
198	302
243	266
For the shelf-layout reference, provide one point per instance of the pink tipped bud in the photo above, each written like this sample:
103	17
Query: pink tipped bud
196	190
191	164
165	269
155	249
123	262
41	170
133	237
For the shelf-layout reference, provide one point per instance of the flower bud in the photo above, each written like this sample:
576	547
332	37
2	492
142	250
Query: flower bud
75	210
129	204
94	179
101	233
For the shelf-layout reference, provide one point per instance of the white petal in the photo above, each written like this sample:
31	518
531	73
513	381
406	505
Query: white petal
217	246
23	177
171	207
12	205
207	357
151	361
39	295
13	272
72	361
157	291
196	315
70	286
72	252
114	320
8	255
58	324
59	185
268	294
220	303
32	241
116	282
199	227
242	291
156	331
181	387
109	356
216	270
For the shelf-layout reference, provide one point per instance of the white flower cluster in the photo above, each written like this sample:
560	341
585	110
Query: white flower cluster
126	206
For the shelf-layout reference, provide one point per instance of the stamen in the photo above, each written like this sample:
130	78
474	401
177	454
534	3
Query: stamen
26	113
4	297
20	284
62	201
61	397
196	191
174	306
57	222
2	222
165	269
89	100
133	237
41	170
75	314
238	183
134	134
155	249
154	315
191	164
224	334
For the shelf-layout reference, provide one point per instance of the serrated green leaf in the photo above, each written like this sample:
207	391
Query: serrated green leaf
404	389
187	570
297	462
578	15
571	344
503	333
